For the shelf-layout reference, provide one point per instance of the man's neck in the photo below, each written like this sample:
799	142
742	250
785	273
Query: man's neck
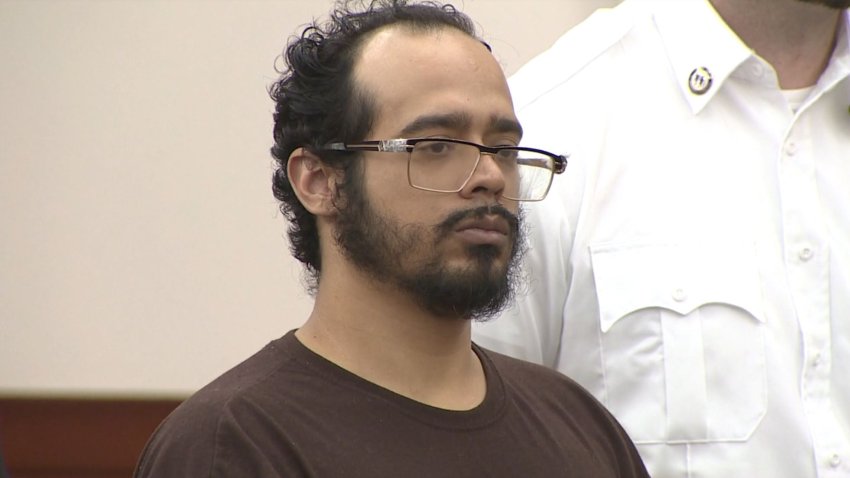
796	38
383	336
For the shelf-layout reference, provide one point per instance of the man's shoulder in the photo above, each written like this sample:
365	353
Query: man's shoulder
566	410
191	437
546	388
260	371
521	374
591	46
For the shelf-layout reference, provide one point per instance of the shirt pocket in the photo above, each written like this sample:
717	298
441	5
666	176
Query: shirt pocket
682	340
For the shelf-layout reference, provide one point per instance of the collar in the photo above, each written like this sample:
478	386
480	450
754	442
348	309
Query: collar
703	51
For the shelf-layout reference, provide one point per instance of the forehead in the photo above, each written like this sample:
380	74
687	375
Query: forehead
414	73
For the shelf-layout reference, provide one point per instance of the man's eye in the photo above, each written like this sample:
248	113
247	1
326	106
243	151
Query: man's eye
435	148
507	154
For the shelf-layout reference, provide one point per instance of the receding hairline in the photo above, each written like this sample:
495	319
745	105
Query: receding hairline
415	28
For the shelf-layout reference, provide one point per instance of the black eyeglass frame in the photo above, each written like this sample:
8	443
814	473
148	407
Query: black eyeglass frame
406	145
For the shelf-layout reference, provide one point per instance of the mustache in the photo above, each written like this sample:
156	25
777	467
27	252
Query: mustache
448	224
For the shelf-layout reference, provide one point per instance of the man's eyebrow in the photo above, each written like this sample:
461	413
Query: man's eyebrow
454	121
505	125
459	122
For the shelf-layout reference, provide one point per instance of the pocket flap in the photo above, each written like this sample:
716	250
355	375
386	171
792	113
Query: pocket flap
677	277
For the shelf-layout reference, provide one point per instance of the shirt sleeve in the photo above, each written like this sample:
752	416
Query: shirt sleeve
200	442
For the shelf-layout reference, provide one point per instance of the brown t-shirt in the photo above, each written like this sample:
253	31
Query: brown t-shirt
288	412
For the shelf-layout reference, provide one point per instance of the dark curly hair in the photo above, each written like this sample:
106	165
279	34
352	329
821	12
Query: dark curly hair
317	102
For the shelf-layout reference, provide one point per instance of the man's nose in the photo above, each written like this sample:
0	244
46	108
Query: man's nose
487	178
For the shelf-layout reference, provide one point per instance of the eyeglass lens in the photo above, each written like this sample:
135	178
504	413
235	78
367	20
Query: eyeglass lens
445	167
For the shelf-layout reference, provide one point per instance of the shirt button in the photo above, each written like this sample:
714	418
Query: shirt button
758	69
679	295
835	461
817	360
791	148
806	254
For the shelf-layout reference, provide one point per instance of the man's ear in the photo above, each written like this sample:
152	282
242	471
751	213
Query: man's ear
313	181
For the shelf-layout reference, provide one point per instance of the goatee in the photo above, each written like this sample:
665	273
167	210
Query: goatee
408	257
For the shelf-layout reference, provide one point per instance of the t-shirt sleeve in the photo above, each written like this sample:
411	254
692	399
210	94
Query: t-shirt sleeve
183	445
199	441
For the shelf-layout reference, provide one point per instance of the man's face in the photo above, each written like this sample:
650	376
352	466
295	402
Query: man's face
454	253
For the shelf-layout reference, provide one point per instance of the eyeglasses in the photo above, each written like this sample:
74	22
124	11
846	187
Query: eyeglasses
446	165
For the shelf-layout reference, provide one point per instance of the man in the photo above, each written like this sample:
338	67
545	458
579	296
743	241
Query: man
693	269
406	240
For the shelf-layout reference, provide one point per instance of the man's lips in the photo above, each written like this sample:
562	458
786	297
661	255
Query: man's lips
492	224
484	230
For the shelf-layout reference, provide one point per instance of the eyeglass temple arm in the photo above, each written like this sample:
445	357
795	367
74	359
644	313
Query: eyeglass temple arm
389	145
559	164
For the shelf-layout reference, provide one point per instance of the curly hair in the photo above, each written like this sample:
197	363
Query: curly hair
317	101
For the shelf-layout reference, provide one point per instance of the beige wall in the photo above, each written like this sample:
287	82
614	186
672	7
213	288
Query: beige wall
141	251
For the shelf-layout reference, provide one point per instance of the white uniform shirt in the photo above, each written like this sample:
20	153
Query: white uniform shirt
691	268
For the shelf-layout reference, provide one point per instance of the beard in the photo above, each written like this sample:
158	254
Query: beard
837	4
408	257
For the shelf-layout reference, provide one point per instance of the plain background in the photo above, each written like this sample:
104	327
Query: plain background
141	250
